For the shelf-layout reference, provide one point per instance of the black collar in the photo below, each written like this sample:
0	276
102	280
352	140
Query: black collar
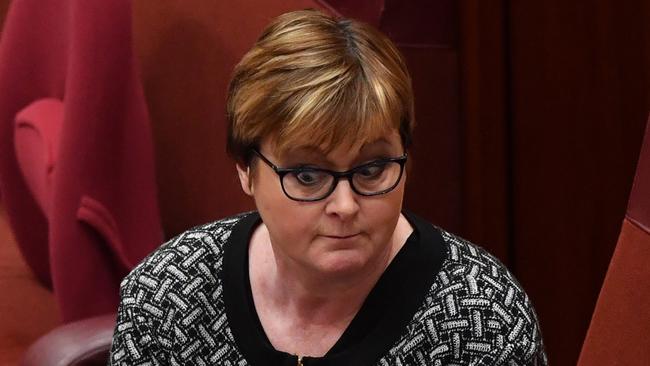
381	320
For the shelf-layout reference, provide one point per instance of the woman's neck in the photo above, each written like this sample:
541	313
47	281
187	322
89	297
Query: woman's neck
310	297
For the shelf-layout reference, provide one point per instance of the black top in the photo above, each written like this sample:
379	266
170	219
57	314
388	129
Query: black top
380	320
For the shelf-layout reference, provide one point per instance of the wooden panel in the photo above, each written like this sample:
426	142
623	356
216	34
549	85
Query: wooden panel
425	32
485	124
434	184
580	98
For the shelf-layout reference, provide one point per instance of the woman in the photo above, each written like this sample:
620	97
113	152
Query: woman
329	270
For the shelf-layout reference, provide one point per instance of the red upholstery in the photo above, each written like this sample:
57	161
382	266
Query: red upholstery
86	208
85	342
638	209
618	334
37	133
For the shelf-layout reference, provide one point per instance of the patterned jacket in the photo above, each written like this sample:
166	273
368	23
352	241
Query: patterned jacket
441	301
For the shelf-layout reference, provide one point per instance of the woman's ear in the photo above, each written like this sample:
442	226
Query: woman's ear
245	179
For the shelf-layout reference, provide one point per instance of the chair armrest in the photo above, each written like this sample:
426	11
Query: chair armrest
84	342
37	131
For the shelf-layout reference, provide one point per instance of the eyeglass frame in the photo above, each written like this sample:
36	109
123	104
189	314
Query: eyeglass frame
348	174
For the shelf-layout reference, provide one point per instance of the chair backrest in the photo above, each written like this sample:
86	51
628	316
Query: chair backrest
79	190
620	326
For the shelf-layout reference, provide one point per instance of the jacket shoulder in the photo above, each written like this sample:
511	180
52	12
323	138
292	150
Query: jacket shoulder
195	253
476	312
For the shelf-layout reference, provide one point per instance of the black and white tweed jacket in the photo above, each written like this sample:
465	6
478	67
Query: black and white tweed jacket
188	303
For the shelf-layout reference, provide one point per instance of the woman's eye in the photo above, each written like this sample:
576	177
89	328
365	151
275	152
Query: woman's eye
371	170
308	177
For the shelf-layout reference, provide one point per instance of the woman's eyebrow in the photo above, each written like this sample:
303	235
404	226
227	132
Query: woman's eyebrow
305	150
377	147
302	153
376	143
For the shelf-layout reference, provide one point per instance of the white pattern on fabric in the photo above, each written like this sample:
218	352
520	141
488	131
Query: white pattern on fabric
172	310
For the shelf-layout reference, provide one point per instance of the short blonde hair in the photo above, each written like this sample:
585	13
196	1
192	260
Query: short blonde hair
314	78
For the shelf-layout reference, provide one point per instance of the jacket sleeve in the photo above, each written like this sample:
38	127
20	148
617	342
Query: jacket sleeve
137	339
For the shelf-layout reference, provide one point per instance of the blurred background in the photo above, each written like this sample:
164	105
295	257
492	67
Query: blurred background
530	116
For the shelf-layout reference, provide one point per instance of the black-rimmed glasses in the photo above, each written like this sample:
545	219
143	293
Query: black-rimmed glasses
309	184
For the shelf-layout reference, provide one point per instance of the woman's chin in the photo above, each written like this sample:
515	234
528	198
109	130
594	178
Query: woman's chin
342	262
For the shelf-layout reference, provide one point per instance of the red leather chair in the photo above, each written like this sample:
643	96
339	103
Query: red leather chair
620	326
85	342
76	152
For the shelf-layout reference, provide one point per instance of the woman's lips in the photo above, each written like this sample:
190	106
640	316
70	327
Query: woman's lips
340	237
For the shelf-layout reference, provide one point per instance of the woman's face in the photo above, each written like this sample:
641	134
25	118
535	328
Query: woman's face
341	234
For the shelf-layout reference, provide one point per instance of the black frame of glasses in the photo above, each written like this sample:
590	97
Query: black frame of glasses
281	172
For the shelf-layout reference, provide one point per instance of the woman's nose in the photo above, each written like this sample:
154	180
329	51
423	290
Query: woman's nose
343	201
